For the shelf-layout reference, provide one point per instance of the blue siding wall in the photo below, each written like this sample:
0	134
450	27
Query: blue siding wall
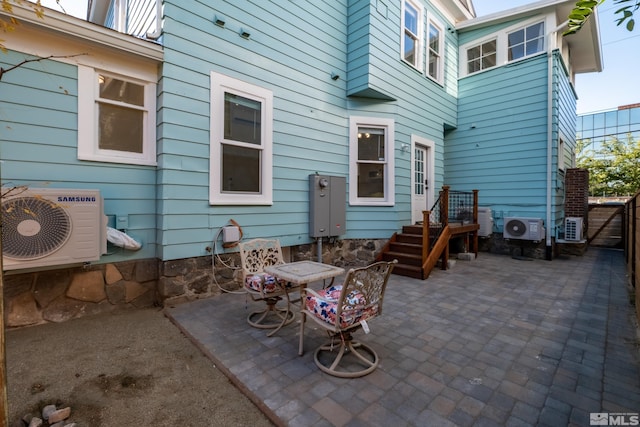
500	145
292	51
38	146
565	100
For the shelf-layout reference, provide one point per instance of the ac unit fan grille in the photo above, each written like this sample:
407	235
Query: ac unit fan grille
33	227
515	227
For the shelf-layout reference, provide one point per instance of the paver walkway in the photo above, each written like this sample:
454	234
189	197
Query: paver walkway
495	341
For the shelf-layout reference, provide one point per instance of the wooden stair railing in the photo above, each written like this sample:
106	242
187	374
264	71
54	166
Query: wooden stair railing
419	247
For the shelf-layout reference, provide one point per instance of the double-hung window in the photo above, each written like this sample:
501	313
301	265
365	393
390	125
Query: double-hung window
412	33
526	41
241	143
116	118
435	51
481	57
371	164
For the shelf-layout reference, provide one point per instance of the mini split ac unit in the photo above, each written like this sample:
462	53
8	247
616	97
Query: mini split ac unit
44	227
485	220
573	228
523	228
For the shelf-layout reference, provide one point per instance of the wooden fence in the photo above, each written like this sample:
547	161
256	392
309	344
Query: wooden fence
631	224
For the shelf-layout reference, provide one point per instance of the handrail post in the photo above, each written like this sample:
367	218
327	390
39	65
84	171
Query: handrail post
426	240
475	221
444	218
444	205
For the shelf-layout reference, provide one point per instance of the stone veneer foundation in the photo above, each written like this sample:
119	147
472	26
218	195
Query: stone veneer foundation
63	294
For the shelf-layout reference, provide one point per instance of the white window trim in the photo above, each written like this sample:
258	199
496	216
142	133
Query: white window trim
502	45
88	93
220	84
441	52
420	48
389	186
545	39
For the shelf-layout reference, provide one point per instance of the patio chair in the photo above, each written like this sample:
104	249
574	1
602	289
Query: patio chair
341	310
255	255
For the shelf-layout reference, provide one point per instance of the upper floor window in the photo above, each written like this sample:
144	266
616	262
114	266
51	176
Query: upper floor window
116	118
412	33
435	51
518	41
241	142
371	170
526	41
481	57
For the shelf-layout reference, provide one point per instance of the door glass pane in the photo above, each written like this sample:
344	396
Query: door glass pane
120	128
371	180
419	172
242	119
240	169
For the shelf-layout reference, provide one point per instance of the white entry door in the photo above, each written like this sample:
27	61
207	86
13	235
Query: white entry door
421	177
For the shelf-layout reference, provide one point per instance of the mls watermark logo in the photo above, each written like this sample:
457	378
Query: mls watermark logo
614	419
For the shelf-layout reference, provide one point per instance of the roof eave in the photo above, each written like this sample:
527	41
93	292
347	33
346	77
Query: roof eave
77	28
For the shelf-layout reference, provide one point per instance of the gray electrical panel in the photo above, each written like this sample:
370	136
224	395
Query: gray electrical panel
327	205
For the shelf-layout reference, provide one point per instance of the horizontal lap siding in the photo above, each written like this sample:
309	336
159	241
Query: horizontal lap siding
500	145
38	118
292	51
310	127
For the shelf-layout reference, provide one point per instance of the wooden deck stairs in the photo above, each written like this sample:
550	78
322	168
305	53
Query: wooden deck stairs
418	248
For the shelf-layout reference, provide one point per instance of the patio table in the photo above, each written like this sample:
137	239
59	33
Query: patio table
302	273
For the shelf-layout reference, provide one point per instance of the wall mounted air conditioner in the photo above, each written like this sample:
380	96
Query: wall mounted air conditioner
44	227
523	228
485	220
573	228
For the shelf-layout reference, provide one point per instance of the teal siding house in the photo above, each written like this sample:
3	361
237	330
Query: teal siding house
515	136
191	116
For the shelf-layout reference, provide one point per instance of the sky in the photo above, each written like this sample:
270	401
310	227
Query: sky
616	85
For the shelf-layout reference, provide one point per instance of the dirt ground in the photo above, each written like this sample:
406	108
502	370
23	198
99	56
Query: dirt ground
125	368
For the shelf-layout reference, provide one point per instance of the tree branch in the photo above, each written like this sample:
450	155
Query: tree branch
3	70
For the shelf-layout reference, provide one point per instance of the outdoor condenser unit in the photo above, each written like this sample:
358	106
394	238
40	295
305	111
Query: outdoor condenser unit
52	226
485	220
520	228
573	228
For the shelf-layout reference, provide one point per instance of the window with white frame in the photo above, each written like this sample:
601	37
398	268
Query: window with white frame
116	118
241	143
510	44
482	56
526	41
371	164
435	50
412	33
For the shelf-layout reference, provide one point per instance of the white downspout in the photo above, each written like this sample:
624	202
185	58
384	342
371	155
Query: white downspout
549	149
158	31
549	254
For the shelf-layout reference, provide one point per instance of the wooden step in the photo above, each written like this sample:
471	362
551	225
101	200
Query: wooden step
406	248
414	239
403	258
408	271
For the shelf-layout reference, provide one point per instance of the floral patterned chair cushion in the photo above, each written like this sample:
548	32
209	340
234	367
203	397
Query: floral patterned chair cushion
324	305
263	282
